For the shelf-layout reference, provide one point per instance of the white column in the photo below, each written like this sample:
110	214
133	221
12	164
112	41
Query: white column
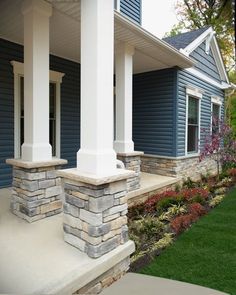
124	96
36	145
96	155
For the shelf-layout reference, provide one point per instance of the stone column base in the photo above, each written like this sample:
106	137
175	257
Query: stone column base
95	211
132	162
36	189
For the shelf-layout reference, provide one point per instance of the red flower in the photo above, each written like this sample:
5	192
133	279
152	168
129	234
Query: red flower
191	193
150	204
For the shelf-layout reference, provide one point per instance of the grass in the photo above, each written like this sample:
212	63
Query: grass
205	254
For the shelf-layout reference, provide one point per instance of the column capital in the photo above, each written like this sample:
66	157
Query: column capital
40	6
123	47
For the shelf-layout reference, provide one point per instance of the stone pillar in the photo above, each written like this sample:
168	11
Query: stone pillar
95	211
36	189
96	155
36	145
124	96
132	162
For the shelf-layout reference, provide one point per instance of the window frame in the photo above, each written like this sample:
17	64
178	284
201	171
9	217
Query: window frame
192	91
55	77
215	100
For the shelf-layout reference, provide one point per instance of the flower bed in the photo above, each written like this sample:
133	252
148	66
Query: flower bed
155	224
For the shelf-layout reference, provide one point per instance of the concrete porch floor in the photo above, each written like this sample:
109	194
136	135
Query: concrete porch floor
151	182
34	259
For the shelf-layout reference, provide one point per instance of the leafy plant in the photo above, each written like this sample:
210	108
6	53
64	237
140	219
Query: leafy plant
194	194
219	146
164	204
173	211
189	183
151	203
216	200
196	209
147	226
180	223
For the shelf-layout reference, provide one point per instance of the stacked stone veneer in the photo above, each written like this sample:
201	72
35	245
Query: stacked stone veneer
133	163
106	279
178	167
36	192
95	216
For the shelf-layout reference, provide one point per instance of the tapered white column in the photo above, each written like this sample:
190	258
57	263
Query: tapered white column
124	95
36	145
96	155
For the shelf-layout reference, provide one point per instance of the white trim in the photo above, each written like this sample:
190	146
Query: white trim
55	77
117	5
208	42
218	59
193	45
211	42
207	79
196	93
216	100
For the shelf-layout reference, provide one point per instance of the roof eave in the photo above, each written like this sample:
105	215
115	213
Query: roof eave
182	60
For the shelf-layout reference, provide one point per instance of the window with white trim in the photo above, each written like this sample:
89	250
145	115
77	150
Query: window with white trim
54	109
215	114
193	114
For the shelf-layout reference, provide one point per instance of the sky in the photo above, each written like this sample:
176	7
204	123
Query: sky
158	16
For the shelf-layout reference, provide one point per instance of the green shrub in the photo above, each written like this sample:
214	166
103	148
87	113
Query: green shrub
164	204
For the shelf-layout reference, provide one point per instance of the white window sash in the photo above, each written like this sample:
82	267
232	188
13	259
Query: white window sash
55	77
196	93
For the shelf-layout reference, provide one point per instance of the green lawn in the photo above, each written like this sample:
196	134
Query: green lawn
205	254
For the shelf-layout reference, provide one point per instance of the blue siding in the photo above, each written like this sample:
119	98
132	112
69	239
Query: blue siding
132	9
154	129
205	62
185	78
8	51
70	107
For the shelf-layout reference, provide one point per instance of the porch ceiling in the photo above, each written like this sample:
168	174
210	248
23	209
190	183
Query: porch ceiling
151	53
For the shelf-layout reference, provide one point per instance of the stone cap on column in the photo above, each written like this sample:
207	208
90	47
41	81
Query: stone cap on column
130	154
76	175
39	164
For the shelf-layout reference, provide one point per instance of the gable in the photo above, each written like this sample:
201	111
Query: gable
206	63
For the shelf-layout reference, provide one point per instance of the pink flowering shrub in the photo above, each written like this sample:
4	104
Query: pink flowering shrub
219	146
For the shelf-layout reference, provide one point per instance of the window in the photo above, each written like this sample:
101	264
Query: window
54	107
215	114
193	124
215	118
193	115
52	115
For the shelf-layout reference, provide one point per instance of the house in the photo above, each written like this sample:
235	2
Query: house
58	86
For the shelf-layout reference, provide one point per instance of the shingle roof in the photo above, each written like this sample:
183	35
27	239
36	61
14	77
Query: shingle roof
184	39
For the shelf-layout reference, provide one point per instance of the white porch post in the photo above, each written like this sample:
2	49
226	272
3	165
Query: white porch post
124	95
96	155
36	145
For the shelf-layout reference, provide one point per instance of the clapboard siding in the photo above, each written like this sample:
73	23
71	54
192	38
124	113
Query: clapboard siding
185	78
132	9
8	51
154	112
206	62
70	107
